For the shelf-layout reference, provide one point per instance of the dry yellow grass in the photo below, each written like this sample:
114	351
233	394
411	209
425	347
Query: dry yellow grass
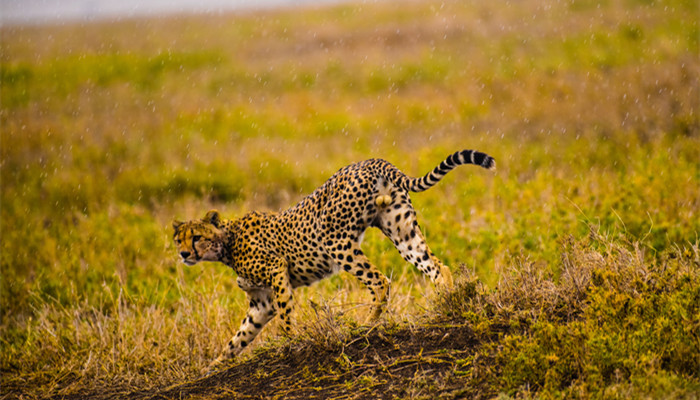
109	131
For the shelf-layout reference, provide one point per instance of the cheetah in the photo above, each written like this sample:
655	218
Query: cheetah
273	253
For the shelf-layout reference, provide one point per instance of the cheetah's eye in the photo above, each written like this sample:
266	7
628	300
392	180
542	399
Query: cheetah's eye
196	238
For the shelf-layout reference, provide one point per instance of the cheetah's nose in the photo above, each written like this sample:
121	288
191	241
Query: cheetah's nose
184	254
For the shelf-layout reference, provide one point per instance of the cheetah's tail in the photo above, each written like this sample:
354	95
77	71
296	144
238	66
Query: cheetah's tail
458	158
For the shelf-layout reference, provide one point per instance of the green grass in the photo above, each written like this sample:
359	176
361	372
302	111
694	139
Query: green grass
617	324
109	131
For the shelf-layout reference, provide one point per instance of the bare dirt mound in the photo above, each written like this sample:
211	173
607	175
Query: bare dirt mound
379	362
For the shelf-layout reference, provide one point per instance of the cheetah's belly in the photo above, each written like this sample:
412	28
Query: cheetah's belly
309	264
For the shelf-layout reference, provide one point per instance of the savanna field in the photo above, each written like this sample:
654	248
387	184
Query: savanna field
577	261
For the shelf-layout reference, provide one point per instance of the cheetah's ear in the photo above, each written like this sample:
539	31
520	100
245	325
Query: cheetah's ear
213	218
176	224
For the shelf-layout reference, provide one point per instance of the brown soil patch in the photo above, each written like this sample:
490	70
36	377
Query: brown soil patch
380	363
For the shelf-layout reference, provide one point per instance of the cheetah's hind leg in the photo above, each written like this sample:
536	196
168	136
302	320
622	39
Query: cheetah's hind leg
399	224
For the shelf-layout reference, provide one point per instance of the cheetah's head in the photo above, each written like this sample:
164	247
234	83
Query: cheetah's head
199	239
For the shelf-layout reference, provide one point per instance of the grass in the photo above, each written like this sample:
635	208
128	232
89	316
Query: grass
614	326
111	130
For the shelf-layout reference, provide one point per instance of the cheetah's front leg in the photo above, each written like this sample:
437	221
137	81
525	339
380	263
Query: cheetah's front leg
261	310
282	292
